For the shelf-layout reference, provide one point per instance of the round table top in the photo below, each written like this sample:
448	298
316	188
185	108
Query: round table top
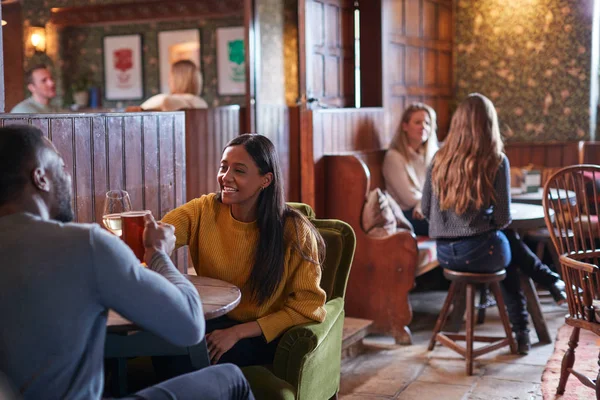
218	298
527	216
536	197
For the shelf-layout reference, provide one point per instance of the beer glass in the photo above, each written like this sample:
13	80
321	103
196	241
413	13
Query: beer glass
133	224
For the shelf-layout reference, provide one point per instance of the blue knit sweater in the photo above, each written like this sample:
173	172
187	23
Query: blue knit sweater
57	282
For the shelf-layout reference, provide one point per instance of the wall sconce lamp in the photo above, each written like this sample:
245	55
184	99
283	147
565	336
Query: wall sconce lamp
37	38
3	22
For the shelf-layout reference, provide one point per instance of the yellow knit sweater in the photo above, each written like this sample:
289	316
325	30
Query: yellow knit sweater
224	248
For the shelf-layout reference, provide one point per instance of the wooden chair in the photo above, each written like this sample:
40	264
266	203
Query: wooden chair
574	230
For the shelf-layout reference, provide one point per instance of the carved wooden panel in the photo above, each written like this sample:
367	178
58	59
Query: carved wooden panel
142	153
329	27
145	11
417	58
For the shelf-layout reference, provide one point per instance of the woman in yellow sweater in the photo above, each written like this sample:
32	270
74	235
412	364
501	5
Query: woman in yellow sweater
248	236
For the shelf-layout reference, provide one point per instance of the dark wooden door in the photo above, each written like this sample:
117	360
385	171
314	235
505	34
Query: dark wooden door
417	57
326	30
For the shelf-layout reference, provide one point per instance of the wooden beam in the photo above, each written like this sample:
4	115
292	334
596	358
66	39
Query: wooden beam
149	11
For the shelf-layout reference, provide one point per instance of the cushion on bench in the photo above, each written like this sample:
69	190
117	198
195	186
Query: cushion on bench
382	216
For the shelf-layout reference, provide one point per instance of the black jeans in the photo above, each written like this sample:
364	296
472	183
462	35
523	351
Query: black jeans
528	262
420	226
249	351
486	253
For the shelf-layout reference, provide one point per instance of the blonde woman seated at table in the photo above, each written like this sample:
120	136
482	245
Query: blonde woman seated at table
406	161
246	235
404	171
185	83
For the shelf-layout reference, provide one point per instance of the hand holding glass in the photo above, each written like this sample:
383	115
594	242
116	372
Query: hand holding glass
115	203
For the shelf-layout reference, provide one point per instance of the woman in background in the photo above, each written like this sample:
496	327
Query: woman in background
406	161
246	235
185	84
466	199
404	171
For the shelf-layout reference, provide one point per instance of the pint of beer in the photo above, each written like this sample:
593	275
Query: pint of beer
133	225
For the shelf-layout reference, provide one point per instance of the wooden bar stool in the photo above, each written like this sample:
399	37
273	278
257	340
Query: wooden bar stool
448	339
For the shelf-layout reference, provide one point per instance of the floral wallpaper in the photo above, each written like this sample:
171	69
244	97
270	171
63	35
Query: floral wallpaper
532	58
79	50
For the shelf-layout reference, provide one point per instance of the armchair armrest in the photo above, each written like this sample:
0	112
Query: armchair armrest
308	336
296	357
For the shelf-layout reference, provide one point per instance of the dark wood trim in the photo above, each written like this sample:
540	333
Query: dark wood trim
1	69
371	70
421	43
13	50
152	10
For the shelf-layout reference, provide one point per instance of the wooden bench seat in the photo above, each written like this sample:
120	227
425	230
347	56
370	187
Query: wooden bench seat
384	268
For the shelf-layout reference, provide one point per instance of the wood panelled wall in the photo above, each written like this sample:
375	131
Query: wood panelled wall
207	133
273	121
209	130
417	58
549	155
142	153
334	132
329	28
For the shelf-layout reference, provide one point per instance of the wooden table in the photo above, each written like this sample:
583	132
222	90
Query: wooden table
124	339
529	216
218	298
536	197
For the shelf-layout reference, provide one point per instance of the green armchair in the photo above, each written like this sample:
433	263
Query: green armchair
308	358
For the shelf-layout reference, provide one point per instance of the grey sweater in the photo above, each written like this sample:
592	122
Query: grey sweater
57	282
448	224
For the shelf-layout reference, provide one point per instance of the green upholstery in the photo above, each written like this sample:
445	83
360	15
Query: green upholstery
308	358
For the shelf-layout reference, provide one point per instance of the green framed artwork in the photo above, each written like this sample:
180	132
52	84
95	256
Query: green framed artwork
231	68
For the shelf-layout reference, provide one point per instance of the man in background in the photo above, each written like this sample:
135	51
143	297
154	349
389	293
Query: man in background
43	90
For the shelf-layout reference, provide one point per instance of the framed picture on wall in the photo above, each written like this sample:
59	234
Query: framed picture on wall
174	46
231	70
123	73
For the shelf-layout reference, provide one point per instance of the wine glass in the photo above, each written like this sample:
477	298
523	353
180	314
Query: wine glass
115	203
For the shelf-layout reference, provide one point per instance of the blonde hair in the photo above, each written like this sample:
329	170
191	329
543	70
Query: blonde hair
185	78
465	167
400	141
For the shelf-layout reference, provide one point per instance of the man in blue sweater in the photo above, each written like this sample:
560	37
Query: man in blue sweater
58	280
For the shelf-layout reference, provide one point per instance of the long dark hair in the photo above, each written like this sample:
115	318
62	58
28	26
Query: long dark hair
272	212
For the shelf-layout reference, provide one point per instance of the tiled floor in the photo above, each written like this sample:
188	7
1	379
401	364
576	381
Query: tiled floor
388	371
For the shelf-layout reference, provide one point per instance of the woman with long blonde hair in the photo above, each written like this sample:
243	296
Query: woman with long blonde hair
185	84
466	199
406	161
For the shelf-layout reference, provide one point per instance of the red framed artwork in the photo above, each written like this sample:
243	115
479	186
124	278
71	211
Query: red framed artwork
123	72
